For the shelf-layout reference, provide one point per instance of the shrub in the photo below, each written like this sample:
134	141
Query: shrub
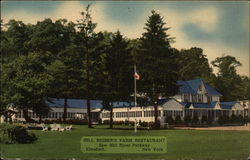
178	120
223	119
203	119
233	119
68	121
118	122
169	120
156	125
240	119
77	121
15	134
210	121
106	122
195	119
187	119
146	124
246	119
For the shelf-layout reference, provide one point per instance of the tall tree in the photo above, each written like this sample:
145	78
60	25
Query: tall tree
13	40
67	72
67	68
227	81
86	27
191	60
118	84
49	36
156	62
29	83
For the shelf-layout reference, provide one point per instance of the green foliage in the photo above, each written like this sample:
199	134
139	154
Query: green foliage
155	60
195	119
13	40
178	120
49	36
29	82
227	65
191	60
241	119
169	120
204	119
118	69
15	134
237	119
223	119
187	119
231	85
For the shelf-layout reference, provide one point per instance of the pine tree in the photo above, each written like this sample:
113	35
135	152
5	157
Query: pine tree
156	62
87	27
119	69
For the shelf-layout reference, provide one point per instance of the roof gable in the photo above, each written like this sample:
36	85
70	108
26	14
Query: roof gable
231	105
192	87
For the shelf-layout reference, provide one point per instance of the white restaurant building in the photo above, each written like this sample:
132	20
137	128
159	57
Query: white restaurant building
195	98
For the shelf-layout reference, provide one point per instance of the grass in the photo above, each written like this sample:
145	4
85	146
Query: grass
182	144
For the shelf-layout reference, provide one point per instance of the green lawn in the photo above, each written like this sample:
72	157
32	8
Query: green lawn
182	144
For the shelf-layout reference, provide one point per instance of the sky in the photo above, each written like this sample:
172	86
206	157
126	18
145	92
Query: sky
219	28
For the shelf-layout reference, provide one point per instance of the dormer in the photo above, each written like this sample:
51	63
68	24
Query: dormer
201	89
197	91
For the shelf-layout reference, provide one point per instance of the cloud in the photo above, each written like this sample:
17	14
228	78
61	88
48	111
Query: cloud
206	18
69	10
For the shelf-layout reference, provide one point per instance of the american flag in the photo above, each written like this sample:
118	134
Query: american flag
137	76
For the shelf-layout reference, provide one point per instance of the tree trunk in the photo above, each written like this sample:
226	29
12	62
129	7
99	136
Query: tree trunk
25	115
156	113
65	109
111	116
10	118
88	89
89	114
6	118
40	119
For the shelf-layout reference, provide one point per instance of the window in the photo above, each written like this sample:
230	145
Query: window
209	99
200	98
200	88
194	98
186	98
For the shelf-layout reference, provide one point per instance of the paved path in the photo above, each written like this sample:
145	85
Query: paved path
224	128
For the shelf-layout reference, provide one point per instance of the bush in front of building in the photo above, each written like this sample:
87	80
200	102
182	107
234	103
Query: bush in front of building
68	121
156	125
105	121
204	119
187	120
237	119
178	120
77	121
233	119
195	119
11	133
119	123
240	119
223	120
246	119
144	124
169	120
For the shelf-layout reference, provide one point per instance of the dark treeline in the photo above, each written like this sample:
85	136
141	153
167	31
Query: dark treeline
61	59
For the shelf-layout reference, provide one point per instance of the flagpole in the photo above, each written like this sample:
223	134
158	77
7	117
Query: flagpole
135	83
